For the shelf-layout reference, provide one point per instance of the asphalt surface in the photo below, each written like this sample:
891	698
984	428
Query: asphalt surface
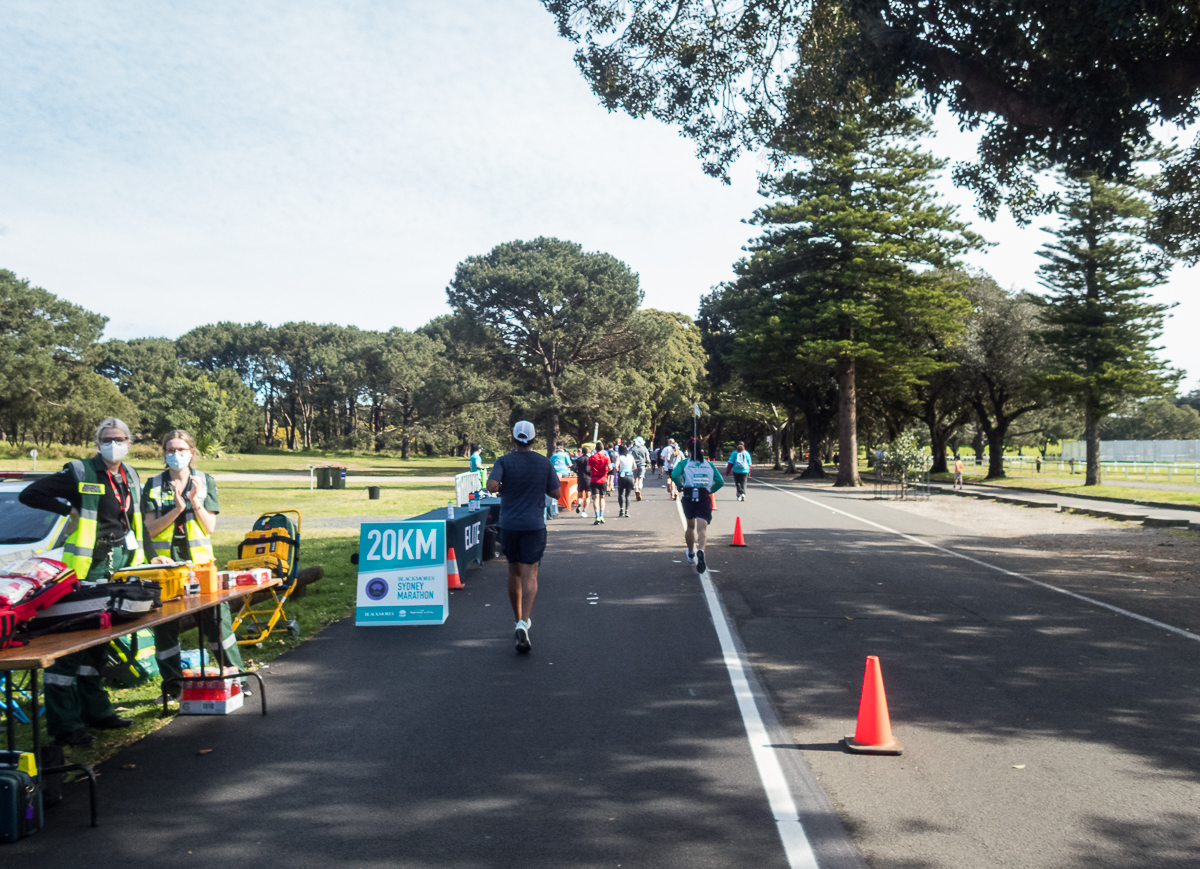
616	742
1039	730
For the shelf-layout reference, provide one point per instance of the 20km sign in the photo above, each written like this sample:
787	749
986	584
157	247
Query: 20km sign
401	573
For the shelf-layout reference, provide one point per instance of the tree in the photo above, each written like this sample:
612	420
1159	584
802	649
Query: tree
1100	326
217	409
1001	364
1077	84
1154	419
669	380
45	344
474	382
844	249
555	306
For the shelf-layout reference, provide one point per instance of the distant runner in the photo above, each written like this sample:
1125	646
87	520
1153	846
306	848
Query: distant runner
641	460
625	468
598	467
671	456
698	480
739	465
612	468
523	479
583	481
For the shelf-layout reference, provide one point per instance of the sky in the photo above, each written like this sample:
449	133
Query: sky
169	165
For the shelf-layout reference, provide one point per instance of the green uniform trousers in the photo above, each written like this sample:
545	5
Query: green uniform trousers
73	692
221	642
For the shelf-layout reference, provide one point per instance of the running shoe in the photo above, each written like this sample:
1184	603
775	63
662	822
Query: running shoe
598	520
638	495
583	513
691	557
601	520
700	566
522	637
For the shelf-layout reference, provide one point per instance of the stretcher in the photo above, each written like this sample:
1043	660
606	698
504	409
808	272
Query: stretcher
274	543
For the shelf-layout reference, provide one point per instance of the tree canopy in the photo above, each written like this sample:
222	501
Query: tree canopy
560	310
1076	84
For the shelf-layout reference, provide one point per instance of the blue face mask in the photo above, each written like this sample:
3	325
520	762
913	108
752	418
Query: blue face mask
178	461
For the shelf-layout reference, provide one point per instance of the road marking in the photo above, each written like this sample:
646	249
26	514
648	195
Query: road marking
796	846
1090	600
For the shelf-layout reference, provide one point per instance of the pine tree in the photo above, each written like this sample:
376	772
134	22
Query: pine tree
1100	324
851	253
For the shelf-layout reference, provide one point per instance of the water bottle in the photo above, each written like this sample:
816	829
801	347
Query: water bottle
449	509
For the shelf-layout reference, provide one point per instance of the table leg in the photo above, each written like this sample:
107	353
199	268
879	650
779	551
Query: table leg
34	718
10	723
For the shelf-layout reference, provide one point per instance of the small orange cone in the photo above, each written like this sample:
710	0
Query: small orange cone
738	539
873	734
453	580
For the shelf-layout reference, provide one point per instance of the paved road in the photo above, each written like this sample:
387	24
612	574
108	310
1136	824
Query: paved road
1039	730
617	742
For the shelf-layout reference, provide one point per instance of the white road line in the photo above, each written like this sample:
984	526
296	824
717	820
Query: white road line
1090	600
796	846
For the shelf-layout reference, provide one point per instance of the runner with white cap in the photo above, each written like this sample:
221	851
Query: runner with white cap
523	479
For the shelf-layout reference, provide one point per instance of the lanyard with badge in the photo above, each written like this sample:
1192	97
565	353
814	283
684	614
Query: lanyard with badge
125	503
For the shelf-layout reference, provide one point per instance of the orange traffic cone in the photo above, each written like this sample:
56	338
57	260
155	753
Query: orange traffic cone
453	580
873	734
738	539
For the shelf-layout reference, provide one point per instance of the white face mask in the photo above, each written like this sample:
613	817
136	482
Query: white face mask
114	452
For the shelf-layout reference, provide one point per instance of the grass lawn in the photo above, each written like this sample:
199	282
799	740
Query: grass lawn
146	459
252	499
326	601
1058	486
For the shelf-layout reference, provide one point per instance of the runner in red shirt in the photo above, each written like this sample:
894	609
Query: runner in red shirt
598	467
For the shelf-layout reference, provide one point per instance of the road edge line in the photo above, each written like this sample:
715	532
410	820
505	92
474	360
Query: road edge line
796	846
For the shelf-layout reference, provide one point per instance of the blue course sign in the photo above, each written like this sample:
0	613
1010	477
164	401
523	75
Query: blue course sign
402	573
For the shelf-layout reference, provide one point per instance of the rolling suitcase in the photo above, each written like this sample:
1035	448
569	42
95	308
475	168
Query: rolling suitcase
20	799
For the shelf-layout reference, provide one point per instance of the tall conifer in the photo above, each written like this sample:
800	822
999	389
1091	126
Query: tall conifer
1100	322
851	251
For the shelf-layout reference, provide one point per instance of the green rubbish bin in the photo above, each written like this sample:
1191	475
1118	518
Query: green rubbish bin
331	477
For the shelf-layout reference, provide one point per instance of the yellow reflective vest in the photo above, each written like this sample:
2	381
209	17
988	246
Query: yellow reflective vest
161	496
81	545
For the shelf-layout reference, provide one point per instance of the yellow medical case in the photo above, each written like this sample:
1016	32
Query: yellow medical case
172	577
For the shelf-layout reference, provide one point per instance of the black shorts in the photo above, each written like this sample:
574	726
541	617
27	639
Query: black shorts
698	509
600	488
523	547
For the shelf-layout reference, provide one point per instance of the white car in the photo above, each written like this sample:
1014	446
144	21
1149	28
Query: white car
23	530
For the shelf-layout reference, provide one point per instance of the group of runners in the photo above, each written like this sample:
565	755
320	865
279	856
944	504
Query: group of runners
524	478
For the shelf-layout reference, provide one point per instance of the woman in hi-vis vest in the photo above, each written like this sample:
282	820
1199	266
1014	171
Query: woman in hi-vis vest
101	496
180	510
